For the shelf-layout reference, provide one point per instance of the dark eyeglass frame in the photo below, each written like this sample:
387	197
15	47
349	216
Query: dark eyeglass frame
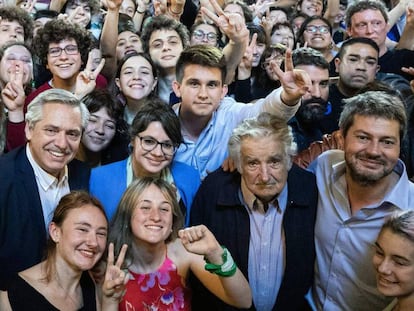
70	49
164	145
200	35
314	28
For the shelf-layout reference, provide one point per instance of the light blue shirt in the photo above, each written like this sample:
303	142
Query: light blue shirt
267	252
210	150
344	274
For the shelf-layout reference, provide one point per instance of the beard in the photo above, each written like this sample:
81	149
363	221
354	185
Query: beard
312	110
365	177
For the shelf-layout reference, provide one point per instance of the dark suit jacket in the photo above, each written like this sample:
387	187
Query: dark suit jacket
22	229
217	206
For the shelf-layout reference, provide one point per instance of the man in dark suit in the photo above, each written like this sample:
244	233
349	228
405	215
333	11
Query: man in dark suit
264	214
34	177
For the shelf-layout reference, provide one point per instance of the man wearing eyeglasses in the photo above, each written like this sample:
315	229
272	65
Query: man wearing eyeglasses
204	33
369	19
34	177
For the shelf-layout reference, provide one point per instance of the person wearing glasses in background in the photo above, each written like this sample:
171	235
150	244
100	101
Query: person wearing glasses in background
205	33
155	137
316	33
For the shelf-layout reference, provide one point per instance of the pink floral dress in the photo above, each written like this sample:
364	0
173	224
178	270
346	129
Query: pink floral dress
161	290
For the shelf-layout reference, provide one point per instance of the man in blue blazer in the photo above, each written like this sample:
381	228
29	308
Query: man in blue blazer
264	214
34	177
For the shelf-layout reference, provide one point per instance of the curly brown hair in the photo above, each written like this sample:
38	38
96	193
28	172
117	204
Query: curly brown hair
55	31
14	13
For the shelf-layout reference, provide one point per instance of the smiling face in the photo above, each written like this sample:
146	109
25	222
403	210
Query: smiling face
201	91
283	35
128	42
80	10
318	40
311	7
65	66
165	47
152	218
372	148
394	264
81	240
136	79
54	140
100	131
10	31
264	166
150	163
16	58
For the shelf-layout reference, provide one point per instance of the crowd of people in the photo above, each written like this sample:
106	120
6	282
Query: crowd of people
207	155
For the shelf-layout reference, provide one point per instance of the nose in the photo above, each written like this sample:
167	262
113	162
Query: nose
264	172
154	214
61	140
316	92
373	148
202	93
136	75
369	28
384	267
157	151
361	65
166	46
92	240
99	128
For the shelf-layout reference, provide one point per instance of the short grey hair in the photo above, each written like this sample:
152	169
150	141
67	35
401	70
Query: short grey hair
379	104
359	6
401	223
54	96
264	125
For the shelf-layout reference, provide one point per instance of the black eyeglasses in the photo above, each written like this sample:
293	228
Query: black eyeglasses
200	35
69	50
149	143
320	29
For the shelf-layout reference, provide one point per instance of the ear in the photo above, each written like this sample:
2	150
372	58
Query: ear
154	84
176	88
348	32
118	84
224	91
337	62
378	68
54	232
28	131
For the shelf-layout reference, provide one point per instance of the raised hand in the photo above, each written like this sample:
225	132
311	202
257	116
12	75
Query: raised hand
13	95
230	24
85	81
295	82
199	240
115	278
245	66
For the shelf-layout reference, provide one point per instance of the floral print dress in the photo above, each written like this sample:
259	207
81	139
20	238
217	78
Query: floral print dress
162	290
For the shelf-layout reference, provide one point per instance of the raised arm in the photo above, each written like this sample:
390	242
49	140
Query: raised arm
223	278
407	36
233	27
109	38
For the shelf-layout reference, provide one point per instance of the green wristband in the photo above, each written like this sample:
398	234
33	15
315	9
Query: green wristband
228	268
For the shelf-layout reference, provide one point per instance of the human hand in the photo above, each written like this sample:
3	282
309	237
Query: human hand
199	240
295	82
13	95
160	7
231	24
409	70
86	79
228	165
113	287
28	5
113	5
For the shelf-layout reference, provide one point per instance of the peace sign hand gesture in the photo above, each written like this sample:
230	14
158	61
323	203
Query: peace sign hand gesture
13	95
230	24
85	81
113	287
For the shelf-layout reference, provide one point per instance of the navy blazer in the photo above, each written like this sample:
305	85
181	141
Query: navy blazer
22	228
217	205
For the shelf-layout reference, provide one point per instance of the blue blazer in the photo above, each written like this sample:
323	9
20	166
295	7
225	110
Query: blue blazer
109	182
22	228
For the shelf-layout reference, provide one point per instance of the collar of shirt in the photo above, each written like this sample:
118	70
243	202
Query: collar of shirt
45	179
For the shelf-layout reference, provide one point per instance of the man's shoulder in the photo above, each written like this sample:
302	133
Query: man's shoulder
10	160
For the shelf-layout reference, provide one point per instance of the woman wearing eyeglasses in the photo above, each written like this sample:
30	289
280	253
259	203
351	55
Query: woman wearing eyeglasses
205	33
155	137
316	33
